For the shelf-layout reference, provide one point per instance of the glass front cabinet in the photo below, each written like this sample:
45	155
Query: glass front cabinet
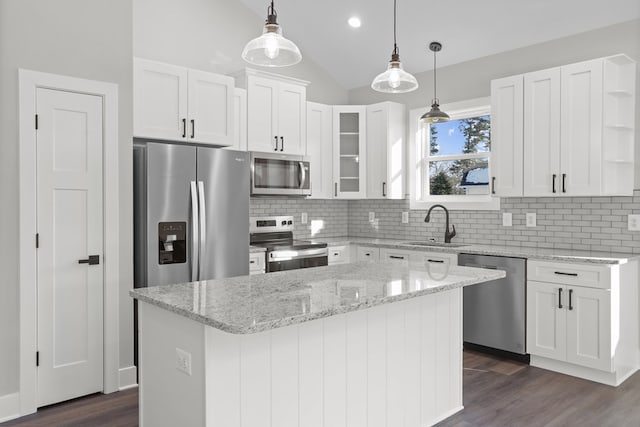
349	151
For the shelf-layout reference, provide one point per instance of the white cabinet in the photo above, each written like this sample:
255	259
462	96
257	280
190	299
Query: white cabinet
582	319
320	149
239	120
578	129
397	255
365	253
256	263
339	254
386	148
349	152
506	136
277	108
434	258
179	104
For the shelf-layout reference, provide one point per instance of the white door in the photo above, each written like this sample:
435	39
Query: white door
320	149
210	108
159	100
262	112
581	129
239	120
70	228
349	152
542	133
292	118
589	328
377	131
506	136
546	320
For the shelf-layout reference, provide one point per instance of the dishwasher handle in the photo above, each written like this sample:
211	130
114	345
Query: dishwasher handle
490	267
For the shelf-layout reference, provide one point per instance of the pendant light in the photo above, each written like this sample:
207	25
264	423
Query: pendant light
395	79
271	49
435	115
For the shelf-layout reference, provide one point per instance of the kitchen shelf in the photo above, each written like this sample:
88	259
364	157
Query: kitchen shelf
349	133
350	155
349	177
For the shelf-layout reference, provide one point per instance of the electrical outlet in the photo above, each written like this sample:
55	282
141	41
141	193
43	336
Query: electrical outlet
405	217
507	219
183	361
303	218
634	223
372	216
531	219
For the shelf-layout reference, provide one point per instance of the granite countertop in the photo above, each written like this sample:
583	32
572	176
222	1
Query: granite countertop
249	304
256	249
565	255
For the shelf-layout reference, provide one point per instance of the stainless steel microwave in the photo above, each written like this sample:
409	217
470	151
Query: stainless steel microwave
280	174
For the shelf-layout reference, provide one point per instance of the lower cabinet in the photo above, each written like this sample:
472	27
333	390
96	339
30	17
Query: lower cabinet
586	331
364	253
256	263
339	254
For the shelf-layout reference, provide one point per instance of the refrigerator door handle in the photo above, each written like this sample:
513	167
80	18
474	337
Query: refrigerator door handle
194	232
303	175
203	230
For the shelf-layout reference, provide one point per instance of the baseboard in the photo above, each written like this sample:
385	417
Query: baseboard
127	378
445	415
613	379
9	407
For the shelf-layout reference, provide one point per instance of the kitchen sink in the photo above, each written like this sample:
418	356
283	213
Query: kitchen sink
436	244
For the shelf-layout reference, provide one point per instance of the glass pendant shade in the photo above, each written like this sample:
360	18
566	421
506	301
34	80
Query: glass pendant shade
271	49
394	80
435	115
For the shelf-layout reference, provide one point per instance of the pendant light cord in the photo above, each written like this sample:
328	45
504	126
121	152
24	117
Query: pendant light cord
435	96
395	45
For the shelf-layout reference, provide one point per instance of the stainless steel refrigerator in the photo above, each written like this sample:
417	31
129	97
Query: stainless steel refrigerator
191	213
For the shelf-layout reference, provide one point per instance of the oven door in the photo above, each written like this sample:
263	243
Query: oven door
280	174
282	260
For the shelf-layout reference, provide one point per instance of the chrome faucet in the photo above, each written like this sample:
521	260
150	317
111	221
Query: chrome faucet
447	235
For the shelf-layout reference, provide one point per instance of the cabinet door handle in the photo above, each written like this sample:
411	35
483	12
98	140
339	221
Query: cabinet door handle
384	189
92	260
367	254
570	304
562	273
184	128
439	261
282	143
553	183
564	178
252	262
493	185
559	297
193	128
335	191
276	138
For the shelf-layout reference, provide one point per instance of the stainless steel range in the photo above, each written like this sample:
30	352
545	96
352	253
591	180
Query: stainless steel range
275	233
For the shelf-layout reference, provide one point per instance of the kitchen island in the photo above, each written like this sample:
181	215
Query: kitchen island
364	344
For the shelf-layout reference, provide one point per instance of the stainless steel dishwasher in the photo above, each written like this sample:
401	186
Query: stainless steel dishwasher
494	312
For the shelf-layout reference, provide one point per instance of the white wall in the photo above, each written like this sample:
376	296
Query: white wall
209	35
472	79
89	39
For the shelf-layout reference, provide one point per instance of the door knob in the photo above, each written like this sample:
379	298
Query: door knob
92	260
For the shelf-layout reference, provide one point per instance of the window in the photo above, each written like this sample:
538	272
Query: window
451	160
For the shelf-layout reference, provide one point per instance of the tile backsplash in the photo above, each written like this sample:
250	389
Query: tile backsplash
584	223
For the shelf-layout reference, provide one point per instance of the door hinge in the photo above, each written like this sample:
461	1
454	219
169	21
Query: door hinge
36	122
37	240
37	358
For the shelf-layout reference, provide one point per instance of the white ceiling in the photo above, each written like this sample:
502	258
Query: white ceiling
467	29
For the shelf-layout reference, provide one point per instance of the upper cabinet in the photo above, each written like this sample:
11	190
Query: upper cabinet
179	104
277	111
239	120
386	148
349	152
320	149
577	128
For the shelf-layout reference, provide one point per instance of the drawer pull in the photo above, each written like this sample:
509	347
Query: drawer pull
559	297
561	273
396	257
367	254
252	261
570	304
336	254
439	261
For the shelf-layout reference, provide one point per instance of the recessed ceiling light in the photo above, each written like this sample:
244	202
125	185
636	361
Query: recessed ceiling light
354	22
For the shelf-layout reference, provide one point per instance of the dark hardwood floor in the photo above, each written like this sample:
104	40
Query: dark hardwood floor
497	393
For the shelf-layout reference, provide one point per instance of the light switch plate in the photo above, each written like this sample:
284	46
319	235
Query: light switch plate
405	217
303	218
531	219
634	222
372	216
183	361
507	219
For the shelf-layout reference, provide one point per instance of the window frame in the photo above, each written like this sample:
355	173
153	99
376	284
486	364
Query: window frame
418	162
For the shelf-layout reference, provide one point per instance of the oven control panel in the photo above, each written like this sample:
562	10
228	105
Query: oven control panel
268	224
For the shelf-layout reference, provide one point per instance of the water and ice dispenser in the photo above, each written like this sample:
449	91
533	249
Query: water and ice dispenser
172	243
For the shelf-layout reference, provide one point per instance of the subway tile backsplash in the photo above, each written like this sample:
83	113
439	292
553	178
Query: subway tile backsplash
584	223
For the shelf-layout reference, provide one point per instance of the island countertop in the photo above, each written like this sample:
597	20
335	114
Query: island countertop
250	304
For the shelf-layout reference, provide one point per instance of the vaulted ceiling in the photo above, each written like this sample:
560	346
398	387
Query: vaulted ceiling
467	29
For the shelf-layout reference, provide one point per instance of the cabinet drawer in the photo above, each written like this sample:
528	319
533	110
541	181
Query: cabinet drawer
594	276
338	255
394	255
256	262
434	258
368	254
